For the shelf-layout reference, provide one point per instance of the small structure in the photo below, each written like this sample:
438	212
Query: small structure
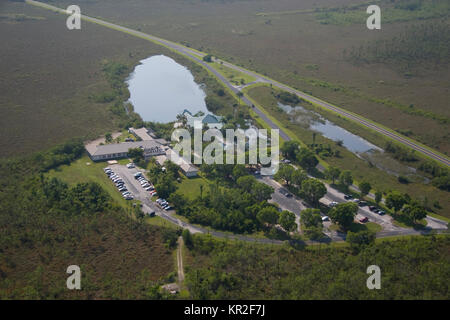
189	170
210	120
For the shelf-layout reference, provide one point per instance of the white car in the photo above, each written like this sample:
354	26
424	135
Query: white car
325	218
131	166
333	204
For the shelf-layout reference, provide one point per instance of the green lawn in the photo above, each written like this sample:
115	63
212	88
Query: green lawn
85	170
158	221
234	76
190	187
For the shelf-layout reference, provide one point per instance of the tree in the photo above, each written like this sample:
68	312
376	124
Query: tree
261	191
442	182
207	58
311	218
364	187
108	137
360	239
137	154
246	183
268	215
395	200
179	201
344	214
298	176
173	168
240	95
165	185
187	238
332	173
378	196
313	190
414	211
239	170
285	173
306	159
290	149
346	178
287	221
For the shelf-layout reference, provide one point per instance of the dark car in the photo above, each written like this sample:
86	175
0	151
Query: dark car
373	209
363	220
362	203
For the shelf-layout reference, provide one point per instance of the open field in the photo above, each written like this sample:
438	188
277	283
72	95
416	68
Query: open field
190	187
306	53
85	170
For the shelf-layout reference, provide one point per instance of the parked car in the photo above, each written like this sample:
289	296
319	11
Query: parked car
129	198
325	218
131	166
381	212
151	188
137	175
348	197
333	204
362	203
123	189
373	208
167	208
356	200
364	220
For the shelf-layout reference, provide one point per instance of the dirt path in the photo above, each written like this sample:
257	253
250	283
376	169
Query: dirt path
180	261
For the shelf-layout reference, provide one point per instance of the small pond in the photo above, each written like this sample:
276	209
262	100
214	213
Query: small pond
328	129
160	88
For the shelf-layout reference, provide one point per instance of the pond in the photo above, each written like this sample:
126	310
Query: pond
160	88
328	129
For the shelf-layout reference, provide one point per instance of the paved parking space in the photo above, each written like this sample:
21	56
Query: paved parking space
144	196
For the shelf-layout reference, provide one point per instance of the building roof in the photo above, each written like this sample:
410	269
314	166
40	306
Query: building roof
210	119
124	147
142	133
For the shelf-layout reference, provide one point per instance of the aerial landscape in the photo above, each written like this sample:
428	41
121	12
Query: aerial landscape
190	150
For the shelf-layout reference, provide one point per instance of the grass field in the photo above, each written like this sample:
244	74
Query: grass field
234	76
85	170
190	187
305	52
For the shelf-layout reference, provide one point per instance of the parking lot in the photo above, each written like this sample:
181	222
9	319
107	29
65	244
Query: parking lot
144	196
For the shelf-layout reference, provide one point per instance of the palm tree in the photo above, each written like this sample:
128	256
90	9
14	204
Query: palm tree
240	95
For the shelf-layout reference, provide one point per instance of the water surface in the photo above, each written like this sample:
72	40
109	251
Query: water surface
160	88
328	129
